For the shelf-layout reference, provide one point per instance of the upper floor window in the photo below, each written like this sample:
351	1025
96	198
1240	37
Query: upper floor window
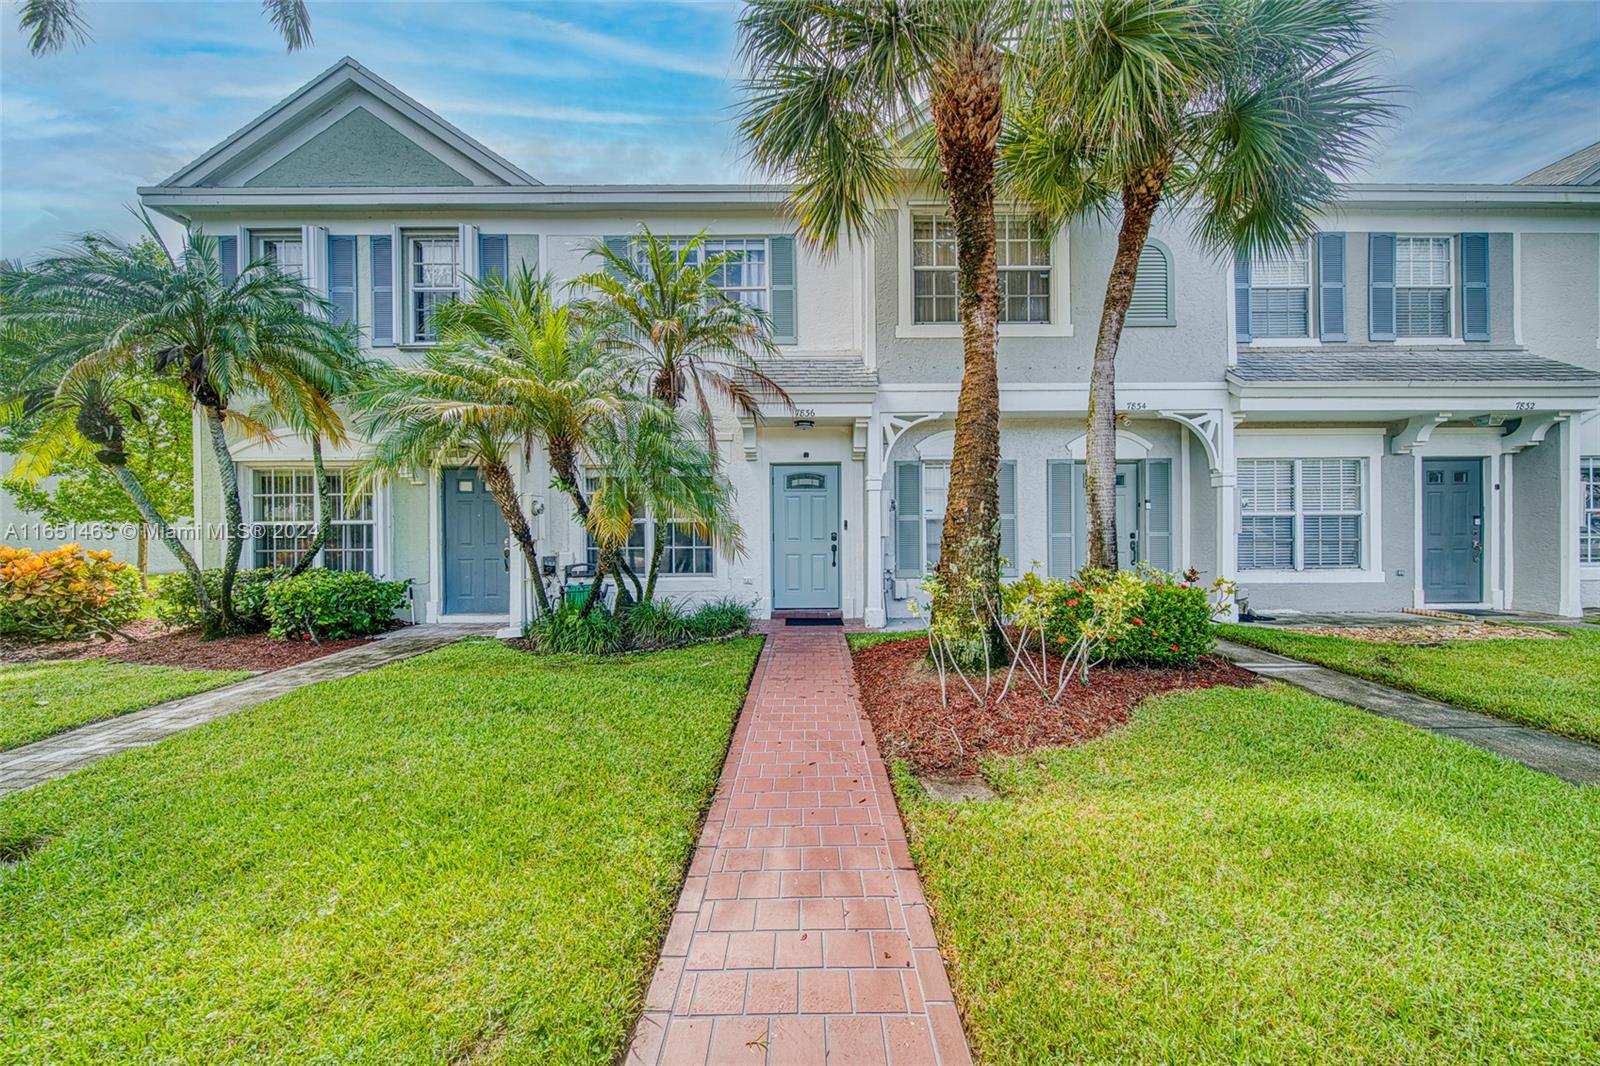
434	267
1022	258
1151	302
1589	520
743	276
288	254
1280	293
1422	286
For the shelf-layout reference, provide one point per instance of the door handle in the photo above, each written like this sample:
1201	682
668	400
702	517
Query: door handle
505	553
834	548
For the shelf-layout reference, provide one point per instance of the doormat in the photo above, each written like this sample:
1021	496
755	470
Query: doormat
813	621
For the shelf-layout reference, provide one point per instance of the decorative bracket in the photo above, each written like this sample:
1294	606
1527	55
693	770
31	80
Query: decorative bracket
1208	426
1532	431
1418	429
858	438
895	426
748	425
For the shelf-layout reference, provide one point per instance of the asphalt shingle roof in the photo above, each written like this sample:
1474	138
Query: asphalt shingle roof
824	373
1405	365
1580	168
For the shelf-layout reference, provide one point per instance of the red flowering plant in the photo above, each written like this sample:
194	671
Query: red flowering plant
1142	616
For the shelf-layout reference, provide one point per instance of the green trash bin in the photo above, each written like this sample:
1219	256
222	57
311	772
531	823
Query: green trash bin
576	593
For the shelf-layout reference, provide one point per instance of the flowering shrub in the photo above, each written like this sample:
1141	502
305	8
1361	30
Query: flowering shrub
65	593
1145	616
332	605
177	605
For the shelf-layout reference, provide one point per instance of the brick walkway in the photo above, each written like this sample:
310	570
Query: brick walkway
801	935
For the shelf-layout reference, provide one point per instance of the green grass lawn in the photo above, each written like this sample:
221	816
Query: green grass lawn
1550	684
1261	876
470	856
857	641
38	699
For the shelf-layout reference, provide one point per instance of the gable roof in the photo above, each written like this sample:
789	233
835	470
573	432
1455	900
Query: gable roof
261	148
1580	168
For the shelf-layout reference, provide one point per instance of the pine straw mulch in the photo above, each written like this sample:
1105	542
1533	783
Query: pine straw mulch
900	692
1427	633
152	644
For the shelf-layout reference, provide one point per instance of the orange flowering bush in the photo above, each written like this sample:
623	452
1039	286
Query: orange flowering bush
65	593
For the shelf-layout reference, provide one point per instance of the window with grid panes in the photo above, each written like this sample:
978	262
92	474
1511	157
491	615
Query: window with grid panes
1280	293
1422	286
287	254
637	550
1589	529
435	281
743	276
935	495
1022	259
685	548
350	540
284	509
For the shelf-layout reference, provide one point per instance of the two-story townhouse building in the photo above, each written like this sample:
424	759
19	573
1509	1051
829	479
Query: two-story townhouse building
1404	412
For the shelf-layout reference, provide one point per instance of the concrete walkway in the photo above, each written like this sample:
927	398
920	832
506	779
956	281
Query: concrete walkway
63	753
801	935
1570	760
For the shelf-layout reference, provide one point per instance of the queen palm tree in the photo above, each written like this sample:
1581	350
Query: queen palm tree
831	85
52	24
1247	113
263	336
662	307
513	369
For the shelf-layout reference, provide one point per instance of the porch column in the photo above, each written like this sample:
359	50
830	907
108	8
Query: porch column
873	616
1225	479
1569	602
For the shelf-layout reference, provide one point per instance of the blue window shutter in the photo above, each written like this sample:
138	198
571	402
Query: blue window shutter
1330	286
617	246
382	291
908	519
1008	515
1241	297
1475	286
342	278
228	258
493	255
780	265
1060	520
1157	539
1380	286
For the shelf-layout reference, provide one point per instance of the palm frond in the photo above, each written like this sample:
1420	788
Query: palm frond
52	24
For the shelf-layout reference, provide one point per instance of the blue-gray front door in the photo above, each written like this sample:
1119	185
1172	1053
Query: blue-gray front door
476	570
805	537
1452	530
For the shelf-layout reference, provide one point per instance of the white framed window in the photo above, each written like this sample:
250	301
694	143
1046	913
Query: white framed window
1022	260
744	277
1301	514
1589	516
434	275
1280	293
935	496
1424	279
285	252
686	548
637	551
286	512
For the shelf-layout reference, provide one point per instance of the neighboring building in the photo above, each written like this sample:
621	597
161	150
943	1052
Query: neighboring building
1404	412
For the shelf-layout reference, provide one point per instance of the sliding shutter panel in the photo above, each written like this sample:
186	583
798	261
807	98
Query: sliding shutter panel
1330	286
1158	517
1380	286
228	258
780	251
907	519
1060	508
342	279
1151	302
1475	286
1008	516
1241	296
493	255
382	250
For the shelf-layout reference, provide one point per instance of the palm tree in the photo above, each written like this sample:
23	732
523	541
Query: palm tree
52	24
1248	112
647	457
512	369
264	335
661	304
831	84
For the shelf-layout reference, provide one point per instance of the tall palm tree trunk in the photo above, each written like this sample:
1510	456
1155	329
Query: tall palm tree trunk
503	487
164	532
966	113
1140	198
324	505
233	512
564	464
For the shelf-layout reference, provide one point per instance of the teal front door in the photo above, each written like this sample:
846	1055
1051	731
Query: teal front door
1452	530
473	545
805	537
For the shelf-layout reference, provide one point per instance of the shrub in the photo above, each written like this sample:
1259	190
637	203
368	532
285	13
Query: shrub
332	605
719	618
1145	616
177	606
65	593
566	631
659	624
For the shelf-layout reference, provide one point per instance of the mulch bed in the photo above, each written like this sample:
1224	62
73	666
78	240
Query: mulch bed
154	645
1427	634
900	692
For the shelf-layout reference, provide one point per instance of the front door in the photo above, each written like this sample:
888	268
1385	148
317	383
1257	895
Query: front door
474	545
1128	511
1452	530
805	537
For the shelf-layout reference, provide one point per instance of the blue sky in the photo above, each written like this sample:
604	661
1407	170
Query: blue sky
619	92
